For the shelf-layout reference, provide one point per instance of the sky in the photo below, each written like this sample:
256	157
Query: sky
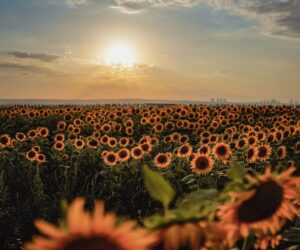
151	49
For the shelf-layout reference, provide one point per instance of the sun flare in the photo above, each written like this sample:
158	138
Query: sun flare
120	55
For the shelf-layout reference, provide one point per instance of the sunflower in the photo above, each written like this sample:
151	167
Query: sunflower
112	142
104	139
129	130
162	160
41	158
176	136
91	230
184	151
252	154
241	144
123	154
72	136
31	155
252	141
264	152
154	141
281	152
222	151
32	134
146	147
36	148
265	206
92	142
264	242
110	158
158	128
61	125
192	157
204	150
177	236
59	146
137	152
201	164
5	141
196	236
44	132
79	143
59	137
106	128
20	136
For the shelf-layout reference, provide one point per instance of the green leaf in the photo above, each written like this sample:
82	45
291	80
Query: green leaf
197	199
236	171
158	188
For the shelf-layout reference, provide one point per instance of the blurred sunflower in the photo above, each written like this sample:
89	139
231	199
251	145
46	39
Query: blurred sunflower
96	230
265	206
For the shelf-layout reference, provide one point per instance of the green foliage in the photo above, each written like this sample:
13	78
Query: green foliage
236	172
158	187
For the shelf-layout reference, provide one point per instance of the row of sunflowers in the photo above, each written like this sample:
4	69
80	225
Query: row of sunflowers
149	177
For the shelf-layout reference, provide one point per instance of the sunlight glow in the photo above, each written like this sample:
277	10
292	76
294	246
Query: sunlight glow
120	55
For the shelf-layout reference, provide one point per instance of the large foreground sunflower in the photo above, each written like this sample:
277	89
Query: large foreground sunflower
266	206
93	231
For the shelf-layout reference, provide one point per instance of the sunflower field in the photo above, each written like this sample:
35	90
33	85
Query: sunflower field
149	177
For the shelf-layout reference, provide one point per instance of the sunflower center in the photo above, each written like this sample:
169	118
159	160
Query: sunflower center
111	157
4	140
202	162
250	153
162	159
96	243
221	150
184	150
31	154
137	152
263	204
122	154
262	152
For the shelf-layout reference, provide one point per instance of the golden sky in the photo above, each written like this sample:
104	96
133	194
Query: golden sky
178	49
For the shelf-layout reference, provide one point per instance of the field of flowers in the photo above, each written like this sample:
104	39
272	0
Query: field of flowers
147	177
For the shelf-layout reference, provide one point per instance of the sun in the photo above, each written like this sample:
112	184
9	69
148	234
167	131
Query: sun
120	55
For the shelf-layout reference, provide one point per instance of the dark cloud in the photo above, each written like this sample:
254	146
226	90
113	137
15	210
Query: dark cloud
29	69
37	56
285	15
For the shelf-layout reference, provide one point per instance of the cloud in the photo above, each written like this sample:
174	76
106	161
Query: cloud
73	3
37	56
139	6
277	17
29	69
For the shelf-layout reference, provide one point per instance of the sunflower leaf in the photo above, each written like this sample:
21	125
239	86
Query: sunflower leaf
158	188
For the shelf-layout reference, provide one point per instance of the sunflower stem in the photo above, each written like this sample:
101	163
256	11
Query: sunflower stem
245	244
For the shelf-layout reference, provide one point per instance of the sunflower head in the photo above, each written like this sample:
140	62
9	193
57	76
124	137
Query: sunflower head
202	164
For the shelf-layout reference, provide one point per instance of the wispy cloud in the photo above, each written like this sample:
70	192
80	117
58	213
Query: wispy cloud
29	69
277	17
37	56
75	2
